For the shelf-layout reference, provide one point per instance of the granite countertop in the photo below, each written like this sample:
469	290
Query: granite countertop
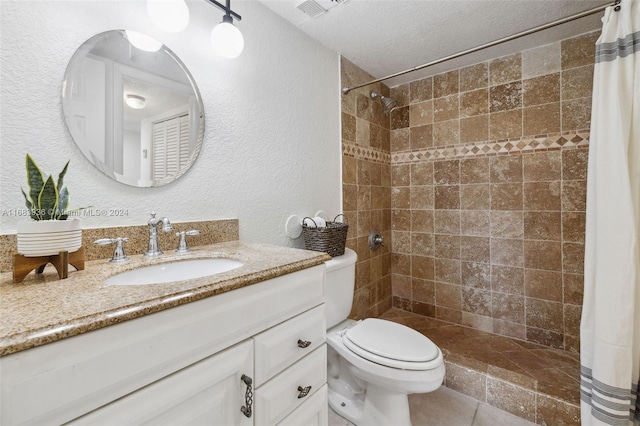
43	308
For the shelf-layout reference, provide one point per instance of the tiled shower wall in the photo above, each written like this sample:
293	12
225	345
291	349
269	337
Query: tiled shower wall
366	179
488	182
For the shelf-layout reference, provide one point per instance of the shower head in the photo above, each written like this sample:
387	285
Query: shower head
388	104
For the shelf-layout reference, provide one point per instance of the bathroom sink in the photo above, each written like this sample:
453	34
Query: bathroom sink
174	271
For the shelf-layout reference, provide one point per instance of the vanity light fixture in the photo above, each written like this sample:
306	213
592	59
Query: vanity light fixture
170	15
226	38
135	101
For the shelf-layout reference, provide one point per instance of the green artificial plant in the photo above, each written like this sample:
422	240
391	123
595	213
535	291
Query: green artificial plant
47	199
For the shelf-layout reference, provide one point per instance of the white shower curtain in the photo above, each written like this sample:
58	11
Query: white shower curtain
610	327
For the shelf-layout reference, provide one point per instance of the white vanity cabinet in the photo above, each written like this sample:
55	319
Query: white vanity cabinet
261	347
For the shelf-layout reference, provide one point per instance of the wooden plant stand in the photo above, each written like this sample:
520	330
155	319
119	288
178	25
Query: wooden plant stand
23	265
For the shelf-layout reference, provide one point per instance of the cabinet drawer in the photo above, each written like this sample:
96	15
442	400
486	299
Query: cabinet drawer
280	396
284	344
313	412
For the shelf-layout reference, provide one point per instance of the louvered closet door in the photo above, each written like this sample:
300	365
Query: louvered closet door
159	150
170	146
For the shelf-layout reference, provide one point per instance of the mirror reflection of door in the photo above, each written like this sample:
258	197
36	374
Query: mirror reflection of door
135	114
141	99
88	100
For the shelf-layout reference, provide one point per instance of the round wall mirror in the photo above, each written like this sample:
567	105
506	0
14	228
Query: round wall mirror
133	108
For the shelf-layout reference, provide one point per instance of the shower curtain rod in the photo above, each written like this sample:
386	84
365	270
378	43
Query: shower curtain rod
347	89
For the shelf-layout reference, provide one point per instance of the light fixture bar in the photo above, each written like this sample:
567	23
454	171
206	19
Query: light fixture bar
226	9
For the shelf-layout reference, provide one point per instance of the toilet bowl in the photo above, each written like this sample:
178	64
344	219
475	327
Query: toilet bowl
373	364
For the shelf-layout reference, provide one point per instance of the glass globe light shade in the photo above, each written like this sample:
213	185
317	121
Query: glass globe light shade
170	15
227	39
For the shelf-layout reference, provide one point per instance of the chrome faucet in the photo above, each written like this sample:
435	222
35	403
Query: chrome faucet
183	247
119	254
154	248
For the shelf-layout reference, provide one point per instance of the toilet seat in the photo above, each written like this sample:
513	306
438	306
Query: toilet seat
391	344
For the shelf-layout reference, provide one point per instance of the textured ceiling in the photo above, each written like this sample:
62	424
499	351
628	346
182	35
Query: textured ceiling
388	36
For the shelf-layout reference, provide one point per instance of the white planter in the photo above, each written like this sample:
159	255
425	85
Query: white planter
49	237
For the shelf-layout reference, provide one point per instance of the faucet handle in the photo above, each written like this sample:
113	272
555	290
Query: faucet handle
119	254
182	245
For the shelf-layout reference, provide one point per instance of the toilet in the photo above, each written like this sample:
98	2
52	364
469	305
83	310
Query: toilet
373	364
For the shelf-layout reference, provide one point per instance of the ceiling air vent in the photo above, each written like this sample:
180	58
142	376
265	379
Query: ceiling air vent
311	8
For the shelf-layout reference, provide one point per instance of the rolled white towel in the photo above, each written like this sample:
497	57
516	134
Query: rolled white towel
308	222
316	222
320	222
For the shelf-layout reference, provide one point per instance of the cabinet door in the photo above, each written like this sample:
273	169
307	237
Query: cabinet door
209	392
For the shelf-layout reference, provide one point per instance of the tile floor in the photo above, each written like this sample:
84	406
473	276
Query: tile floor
446	407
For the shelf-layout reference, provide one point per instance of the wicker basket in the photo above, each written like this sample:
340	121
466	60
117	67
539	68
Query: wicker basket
330	239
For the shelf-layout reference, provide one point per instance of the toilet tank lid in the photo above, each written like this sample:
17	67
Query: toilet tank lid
347	259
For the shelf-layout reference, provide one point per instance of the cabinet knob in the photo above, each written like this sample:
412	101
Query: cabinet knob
303	343
248	396
302	392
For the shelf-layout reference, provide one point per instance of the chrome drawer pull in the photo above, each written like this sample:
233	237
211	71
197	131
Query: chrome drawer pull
303	391
248	396
303	343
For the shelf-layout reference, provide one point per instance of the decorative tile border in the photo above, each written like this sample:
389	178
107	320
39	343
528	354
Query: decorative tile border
542	143
366	153
550	142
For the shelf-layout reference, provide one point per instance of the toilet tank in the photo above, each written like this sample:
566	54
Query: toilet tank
340	281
